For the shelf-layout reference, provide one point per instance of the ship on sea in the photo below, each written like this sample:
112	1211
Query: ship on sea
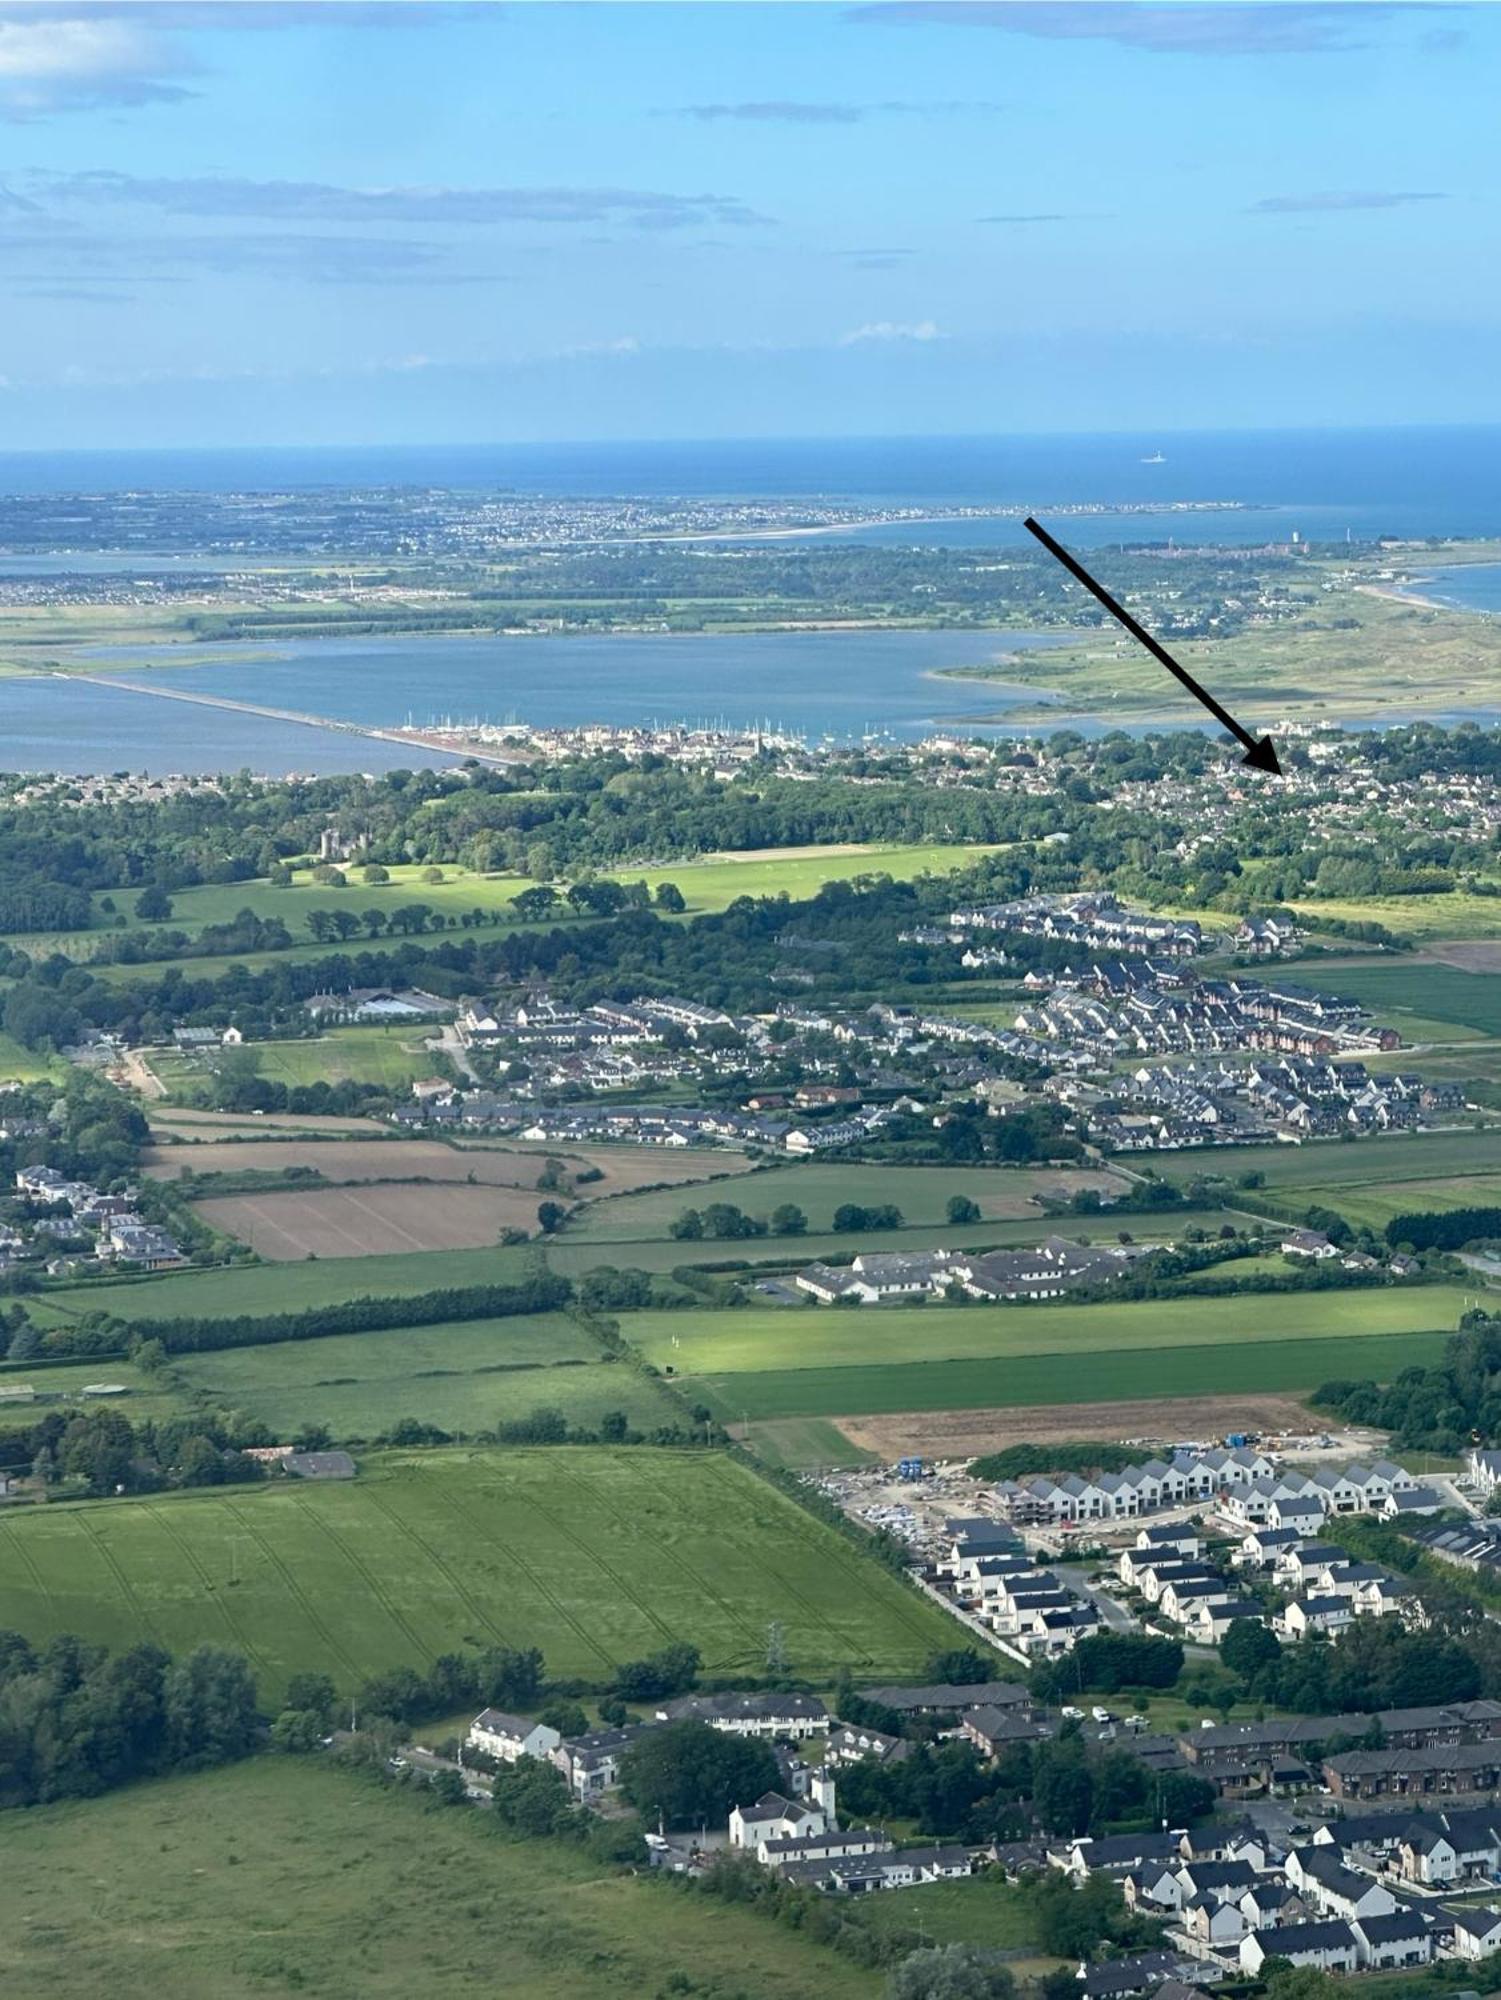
1155	459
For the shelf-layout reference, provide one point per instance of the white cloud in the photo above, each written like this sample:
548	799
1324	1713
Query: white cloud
73	62
892	329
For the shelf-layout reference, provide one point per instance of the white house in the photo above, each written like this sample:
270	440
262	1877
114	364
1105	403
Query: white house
1314	1614
1484	1466
1403	1938
1477	1933
509	1738
773	1817
1329	1947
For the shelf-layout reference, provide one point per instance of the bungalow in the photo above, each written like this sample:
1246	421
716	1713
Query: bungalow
829	1845
509	1738
1328	1947
944	1700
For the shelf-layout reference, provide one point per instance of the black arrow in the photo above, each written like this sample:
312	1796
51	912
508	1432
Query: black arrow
1259	752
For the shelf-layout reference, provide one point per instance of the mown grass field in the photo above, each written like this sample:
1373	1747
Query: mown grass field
1025	1381
286	1875
818	1188
762	1340
595	1555
391	1057
275	1288
464	1378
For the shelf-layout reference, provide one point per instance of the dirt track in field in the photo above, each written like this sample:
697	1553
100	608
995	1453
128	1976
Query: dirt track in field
967	1433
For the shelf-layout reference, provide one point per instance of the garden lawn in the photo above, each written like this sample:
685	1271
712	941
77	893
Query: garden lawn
290	1875
766	1339
596	1555
464	1378
1254	1367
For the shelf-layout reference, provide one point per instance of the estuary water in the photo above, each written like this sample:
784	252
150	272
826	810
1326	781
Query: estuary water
815	684
1406	483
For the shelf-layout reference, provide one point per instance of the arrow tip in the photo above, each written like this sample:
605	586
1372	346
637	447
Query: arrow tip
1262	757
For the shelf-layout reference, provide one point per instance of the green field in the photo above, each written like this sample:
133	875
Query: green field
1392	987
391	1057
1456	915
286	1875
1374	1207
275	1288
1334	1163
797	1443
59	1387
578	1249
1253	1367
818	1188
465	1378
761	1340
707	886
595	1555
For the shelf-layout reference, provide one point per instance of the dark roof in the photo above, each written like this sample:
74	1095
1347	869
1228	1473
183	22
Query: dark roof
1479	1923
1285	1939
984	1694
320	1464
1391	1930
743	1707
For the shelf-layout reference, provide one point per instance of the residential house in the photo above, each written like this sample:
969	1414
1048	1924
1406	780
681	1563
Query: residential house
509	1738
1477	1932
1328	1947
1406	1937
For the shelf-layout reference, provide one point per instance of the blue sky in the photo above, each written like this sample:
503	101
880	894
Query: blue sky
361	223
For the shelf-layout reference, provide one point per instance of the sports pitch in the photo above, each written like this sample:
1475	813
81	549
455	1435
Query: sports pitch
595	1555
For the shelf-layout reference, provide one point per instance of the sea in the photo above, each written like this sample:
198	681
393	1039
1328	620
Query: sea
1246	488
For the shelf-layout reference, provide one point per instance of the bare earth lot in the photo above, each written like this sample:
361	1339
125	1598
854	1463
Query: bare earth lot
367	1221
967	1433
1467	954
